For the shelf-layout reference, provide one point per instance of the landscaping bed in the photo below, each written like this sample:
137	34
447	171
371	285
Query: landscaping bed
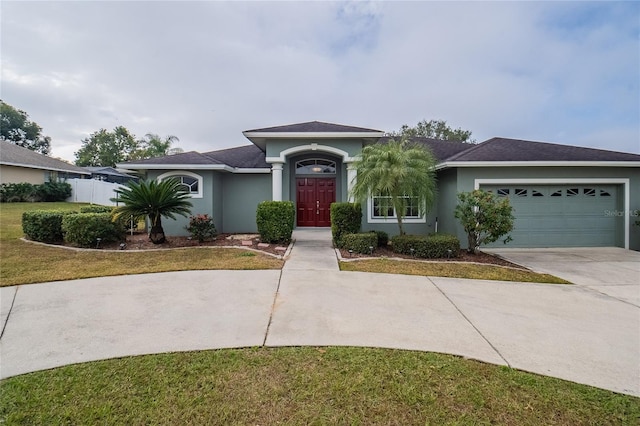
463	256
140	241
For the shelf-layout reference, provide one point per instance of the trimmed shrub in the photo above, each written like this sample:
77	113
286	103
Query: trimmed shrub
201	227
123	221
96	209
54	191
346	218
84	229
44	225
275	221
383	238
18	192
360	243
427	246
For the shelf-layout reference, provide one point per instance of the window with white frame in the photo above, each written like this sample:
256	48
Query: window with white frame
190	182
381	208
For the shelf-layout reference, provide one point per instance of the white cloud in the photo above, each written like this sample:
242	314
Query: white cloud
205	71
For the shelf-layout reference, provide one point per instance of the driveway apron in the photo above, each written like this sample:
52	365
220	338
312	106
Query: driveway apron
578	333
60	323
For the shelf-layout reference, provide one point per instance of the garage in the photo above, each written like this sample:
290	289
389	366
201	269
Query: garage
573	215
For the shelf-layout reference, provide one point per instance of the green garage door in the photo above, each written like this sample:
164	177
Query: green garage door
562	216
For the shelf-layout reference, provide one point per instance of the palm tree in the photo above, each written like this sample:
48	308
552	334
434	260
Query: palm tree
152	145
154	199
396	171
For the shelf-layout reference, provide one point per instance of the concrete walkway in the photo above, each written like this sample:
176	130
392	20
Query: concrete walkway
569	332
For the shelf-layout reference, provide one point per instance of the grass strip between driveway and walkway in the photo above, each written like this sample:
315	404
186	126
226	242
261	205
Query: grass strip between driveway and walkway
449	269
23	263
332	385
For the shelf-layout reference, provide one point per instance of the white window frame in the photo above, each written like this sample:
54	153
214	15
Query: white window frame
177	173
390	219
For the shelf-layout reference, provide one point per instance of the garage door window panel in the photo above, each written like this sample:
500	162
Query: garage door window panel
556	216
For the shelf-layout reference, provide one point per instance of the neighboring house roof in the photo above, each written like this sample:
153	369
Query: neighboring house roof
504	150
109	171
14	155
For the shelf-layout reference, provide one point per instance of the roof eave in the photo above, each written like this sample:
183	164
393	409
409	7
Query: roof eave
55	169
260	138
450	164
215	167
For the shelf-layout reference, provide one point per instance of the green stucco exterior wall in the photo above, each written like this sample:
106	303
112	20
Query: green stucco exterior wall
240	198
452	181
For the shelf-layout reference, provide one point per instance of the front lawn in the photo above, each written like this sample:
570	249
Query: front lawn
449	269
23	263
297	386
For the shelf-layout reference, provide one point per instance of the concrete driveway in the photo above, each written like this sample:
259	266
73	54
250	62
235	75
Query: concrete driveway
612	271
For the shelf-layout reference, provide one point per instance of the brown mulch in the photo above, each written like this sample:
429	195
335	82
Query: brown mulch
140	241
463	256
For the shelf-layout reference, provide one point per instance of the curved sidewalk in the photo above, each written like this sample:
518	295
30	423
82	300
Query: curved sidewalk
569	332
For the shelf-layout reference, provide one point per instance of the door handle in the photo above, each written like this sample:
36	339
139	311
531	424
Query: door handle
317	206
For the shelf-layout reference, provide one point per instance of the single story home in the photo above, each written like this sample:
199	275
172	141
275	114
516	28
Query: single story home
563	196
18	165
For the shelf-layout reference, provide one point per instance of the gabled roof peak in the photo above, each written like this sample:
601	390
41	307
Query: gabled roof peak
309	130
313	127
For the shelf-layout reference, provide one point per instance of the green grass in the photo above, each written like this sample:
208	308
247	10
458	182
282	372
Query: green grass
24	263
263	386
449	269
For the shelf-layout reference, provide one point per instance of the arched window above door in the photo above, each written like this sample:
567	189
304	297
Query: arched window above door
315	166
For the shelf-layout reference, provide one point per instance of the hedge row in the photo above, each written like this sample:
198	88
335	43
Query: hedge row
44	225
81	229
427	246
345	219
364	243
27	192
84	229
275	221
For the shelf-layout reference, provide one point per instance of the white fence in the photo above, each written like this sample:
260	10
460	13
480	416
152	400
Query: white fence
92	191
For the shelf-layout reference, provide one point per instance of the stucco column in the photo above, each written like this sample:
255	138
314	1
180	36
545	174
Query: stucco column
351	180
276	181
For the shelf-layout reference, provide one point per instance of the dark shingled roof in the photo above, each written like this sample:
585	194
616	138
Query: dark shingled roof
248	156
503	149
191	157
441	149
313	127
12	154
109	171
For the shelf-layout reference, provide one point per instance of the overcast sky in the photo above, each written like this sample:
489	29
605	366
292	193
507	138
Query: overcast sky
205	71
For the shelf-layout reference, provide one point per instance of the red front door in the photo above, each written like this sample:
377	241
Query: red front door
314	197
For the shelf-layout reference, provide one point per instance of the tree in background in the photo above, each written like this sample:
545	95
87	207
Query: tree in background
435	129
155	200
152	145
15	127
484	217
104	148
396	172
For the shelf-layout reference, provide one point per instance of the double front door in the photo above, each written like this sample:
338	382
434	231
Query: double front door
313	200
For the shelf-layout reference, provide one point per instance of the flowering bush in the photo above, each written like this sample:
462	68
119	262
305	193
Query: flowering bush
201	227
